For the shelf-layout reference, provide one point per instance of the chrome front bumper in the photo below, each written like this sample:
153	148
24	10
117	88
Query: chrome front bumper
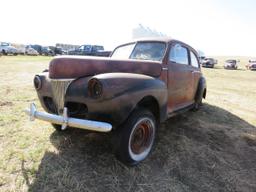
65	121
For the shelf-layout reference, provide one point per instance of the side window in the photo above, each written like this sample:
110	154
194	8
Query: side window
81	48
179	54
194	61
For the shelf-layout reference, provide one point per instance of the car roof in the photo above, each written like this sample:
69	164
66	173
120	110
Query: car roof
161	39
230	60
165	39
157	39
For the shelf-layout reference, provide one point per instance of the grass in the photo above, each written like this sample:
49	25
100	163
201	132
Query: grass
213	149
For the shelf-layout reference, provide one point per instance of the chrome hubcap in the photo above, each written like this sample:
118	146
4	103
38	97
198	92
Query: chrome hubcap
141	139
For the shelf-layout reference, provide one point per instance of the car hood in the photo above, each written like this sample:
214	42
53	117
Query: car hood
65	67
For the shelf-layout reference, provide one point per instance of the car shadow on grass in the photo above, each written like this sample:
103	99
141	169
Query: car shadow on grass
207	150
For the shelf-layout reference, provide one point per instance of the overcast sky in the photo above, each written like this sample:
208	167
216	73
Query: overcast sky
217	27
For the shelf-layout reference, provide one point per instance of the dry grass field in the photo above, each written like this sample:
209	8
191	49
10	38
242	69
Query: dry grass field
213	149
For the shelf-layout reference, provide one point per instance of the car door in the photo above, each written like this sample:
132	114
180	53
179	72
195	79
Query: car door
180	77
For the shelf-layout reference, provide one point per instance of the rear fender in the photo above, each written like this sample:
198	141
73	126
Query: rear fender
201	89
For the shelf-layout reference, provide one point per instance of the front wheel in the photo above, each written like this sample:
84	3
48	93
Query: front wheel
57	127
136	137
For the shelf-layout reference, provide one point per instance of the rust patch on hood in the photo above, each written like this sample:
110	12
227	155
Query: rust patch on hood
74	67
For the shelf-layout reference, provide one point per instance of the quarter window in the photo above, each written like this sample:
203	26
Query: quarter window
179	54
194	61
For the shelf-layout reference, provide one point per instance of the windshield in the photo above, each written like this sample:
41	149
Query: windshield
142	51
5	44
87	47
231	61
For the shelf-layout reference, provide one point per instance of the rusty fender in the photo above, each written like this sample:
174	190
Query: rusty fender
201	89
121	92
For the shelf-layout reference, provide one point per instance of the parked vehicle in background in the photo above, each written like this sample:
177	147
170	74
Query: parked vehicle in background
38	48
209	62
47	51
201	56
90	50
30	51
251	65
7	49
57	50
64	52
21	50
231	64
129	93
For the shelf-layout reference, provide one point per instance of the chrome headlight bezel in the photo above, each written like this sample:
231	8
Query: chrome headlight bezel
95	88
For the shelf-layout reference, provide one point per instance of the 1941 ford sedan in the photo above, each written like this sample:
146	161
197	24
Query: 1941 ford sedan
130	93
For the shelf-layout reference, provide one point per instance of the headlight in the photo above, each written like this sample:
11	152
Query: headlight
95	88
37	82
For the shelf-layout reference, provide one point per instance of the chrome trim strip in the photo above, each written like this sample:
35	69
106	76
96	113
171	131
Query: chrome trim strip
59	88
67	121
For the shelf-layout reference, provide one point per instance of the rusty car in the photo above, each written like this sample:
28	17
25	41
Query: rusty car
141	84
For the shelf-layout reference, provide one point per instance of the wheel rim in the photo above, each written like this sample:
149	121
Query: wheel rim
141	139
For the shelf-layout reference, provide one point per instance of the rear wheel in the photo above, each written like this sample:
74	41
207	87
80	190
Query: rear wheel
199	98
198	103
136	137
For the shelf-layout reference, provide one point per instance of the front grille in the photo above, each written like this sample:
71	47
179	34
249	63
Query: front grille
59	88
77	110
48	102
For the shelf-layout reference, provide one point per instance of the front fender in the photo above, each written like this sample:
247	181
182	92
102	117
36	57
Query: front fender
117	84
123	91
